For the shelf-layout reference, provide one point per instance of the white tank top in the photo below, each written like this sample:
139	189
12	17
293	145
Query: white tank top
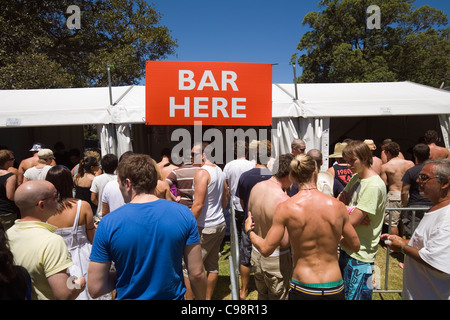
212	213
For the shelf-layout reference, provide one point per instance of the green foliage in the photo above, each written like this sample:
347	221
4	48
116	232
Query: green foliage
38	50
411	44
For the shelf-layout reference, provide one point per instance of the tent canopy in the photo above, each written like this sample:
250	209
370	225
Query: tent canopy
307	117
56	107
79	106
365	99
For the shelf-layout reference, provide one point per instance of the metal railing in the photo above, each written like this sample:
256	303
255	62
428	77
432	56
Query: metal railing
408	210
234	250
234	254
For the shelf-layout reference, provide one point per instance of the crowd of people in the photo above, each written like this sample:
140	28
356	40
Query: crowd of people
132	228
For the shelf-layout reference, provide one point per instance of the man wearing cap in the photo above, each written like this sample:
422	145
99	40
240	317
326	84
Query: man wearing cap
340	170
39	171
30	162
376	162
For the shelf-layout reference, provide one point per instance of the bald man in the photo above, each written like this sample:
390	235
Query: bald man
298	146
36	248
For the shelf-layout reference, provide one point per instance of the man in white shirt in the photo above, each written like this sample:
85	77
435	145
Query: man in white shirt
109	164
111	197
426	275
210	198
233	171
44	163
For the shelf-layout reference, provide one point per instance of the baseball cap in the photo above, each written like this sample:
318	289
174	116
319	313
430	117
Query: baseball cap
37	146
45	154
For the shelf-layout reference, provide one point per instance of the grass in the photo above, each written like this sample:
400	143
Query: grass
223	287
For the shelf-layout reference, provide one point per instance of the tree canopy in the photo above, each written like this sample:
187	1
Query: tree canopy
39	50
411	44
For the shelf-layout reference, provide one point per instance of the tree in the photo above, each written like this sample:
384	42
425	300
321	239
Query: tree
38	50
411	43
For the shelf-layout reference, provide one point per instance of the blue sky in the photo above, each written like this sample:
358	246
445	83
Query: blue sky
260	31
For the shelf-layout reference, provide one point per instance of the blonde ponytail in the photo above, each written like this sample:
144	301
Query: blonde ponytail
303	168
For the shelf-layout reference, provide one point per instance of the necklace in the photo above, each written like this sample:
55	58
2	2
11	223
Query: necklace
312	188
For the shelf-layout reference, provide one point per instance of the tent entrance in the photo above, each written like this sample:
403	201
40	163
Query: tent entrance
407	131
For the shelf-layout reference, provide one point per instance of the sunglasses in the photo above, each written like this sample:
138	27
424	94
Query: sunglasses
423	177
56	197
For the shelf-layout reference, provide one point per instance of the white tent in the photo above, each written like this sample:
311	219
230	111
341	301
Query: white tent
307	117
53	115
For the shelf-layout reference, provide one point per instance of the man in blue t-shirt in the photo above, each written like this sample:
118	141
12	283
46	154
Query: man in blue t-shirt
146	239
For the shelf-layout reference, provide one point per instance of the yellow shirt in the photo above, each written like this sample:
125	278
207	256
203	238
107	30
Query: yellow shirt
43	253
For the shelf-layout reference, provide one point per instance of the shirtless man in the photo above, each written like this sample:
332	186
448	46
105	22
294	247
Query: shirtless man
376	162
316	224
383	154
30	162
436	152
272	274
392	173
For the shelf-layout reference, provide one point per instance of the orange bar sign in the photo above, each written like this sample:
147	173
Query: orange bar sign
215	93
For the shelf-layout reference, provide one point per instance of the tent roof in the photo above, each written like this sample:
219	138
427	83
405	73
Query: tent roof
53	107
368	99
78	106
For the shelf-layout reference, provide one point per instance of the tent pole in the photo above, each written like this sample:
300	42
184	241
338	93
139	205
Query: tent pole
295	81
109	84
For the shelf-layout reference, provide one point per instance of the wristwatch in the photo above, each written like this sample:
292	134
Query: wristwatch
402	249
248	232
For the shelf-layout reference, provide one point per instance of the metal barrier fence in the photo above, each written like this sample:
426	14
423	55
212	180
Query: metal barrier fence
234	250
408	210
234	254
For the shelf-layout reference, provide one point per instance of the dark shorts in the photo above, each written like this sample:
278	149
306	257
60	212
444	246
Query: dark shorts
319	291
245	249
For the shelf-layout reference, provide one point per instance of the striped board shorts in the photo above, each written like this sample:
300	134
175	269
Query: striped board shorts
317	291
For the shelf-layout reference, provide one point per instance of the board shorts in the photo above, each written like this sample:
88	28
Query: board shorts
317	291
357	277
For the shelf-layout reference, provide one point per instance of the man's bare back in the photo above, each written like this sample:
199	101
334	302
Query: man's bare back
264	199
316	224
437	152
26	164
393	171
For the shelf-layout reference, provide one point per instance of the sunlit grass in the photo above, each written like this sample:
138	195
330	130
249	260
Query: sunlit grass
223	288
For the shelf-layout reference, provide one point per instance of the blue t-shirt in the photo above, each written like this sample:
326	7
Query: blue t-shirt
146	241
